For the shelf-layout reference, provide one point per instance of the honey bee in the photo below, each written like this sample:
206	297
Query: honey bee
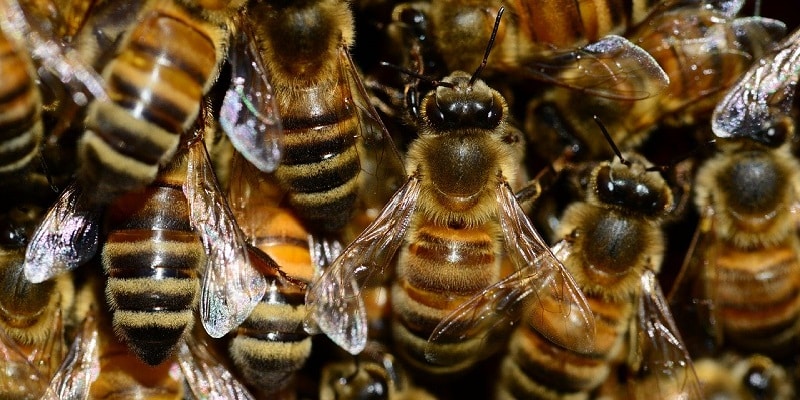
155	255
98	366
454	217
271	345
32	342
331	132
735	377
740	276
374	374
563	43
613	247
703	50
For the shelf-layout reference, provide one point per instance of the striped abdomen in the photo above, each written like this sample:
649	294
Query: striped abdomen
757	295
439	268
271	345
20	110
320	164
536	368
152	258
155	84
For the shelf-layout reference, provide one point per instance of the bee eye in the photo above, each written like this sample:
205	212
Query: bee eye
464	114
757	381
12	237
775	134
629	193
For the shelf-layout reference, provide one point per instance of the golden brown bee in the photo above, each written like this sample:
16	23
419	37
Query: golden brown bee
456	218
329	126
734	377
560	42
271	345
32	341
741	275
703	50
161	240
613	247
374	374
99	366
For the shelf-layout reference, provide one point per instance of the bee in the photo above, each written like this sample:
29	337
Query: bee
703	50
732	376
740	276
32	340
613	246
455	218
374	374
561	43
155	256
331	133
271	345
99	366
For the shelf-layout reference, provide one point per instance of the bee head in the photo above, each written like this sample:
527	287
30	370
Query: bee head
632	184
459	103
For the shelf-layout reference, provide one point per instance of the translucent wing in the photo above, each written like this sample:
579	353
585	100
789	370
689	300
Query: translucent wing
334	301
231	286
662	363
382	168
762	96
66	238
206	376
251	192
484	316
19	376
81	367
690	298
37	29
249	114
612	67
562	313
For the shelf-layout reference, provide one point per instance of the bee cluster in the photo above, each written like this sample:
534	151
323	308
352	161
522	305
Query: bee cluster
406	200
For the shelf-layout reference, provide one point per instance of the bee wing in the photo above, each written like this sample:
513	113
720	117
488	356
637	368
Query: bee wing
661	358
382	167
250	193
334	301
612	67
66	238
249	114
80	368
206	376
37	28
231	286
562	313
690	298
764	94
19	374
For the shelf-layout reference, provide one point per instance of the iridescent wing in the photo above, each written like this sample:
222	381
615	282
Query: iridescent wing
81	367
231	286
382	168
612	67
251	192
562	313
334	300
249	114
66	238
37	27
662	363
764	94
206	376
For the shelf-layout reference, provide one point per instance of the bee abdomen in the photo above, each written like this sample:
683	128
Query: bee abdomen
152	260
20	108
766	319
155	87
439	270
537	368
321	164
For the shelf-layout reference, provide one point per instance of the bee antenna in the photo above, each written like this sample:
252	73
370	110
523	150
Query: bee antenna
488	46
610	141
417	75
47	173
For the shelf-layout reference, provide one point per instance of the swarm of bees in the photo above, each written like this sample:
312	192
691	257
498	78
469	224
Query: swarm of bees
333	199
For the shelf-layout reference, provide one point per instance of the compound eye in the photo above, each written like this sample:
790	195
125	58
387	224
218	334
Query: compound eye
775	134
